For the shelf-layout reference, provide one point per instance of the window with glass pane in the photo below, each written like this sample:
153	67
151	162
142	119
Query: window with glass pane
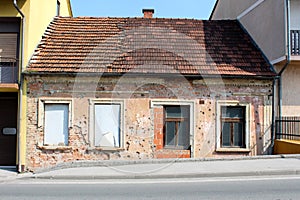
177	127
8	57
233	126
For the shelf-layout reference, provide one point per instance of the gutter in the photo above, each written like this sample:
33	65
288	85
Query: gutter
20	168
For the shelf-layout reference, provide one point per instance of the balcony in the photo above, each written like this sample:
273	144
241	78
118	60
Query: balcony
8	70
295	42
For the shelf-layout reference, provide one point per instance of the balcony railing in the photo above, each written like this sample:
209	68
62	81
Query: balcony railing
295	42
288	128
8	70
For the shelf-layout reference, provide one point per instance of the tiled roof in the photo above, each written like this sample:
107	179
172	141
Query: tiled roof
139	45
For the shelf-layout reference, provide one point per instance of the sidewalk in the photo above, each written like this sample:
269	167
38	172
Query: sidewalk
7	174
180	168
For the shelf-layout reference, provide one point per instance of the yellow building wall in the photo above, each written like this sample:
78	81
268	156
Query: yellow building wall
287	147
38	14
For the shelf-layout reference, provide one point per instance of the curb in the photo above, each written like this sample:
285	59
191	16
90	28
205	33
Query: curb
165	176
107	163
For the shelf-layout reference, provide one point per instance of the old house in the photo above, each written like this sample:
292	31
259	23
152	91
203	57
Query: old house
277	35
146	88
22	23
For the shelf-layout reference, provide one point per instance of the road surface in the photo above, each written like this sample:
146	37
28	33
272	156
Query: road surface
263	188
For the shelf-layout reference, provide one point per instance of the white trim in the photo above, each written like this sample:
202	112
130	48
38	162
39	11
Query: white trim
155	103
250	9
278	60
218	124
295	58
92	120
192	105
47	100
41	112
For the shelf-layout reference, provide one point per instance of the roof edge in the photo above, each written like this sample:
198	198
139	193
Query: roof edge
214	9
114	74
258	48
70	7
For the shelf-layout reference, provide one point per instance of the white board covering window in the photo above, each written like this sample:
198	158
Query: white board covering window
107	125
56	124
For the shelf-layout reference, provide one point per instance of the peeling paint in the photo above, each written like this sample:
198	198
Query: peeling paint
143	125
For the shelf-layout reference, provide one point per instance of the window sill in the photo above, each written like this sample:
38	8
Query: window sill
55	148
177	147
105	149
233	150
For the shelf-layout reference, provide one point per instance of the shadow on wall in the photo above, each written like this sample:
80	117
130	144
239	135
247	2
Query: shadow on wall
228	46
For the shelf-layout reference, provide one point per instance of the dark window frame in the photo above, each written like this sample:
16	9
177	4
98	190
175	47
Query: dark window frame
177	121
10	25
233	121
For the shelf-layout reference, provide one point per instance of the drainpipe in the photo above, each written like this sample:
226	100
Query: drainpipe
279	75
20	85
288	59
58	8
273	137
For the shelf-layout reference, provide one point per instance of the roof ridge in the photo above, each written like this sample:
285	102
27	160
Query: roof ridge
141	18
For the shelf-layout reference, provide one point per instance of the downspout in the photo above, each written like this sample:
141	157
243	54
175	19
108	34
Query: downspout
279	75
58	8
20	86
273	137
287	62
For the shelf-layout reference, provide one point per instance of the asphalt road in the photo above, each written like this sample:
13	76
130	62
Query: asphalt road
275	188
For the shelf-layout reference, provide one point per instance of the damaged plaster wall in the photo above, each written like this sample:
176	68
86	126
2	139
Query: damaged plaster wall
142	136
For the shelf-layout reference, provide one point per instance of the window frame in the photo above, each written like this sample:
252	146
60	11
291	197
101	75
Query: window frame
41	114
93	103
176	120
247	131
178	102
232	121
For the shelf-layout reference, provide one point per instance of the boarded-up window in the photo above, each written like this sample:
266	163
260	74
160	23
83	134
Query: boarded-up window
56	124
107	125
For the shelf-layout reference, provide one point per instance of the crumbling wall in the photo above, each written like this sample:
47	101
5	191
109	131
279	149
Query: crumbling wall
143	124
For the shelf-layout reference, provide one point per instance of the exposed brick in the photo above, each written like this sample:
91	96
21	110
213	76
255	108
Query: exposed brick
143	125
167	153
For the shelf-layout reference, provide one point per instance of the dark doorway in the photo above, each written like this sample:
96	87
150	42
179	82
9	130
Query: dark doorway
8	128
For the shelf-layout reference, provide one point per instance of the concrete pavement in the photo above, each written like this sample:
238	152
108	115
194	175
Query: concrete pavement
7	174
171	168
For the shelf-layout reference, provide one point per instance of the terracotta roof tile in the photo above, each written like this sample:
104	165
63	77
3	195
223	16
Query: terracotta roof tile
138	45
